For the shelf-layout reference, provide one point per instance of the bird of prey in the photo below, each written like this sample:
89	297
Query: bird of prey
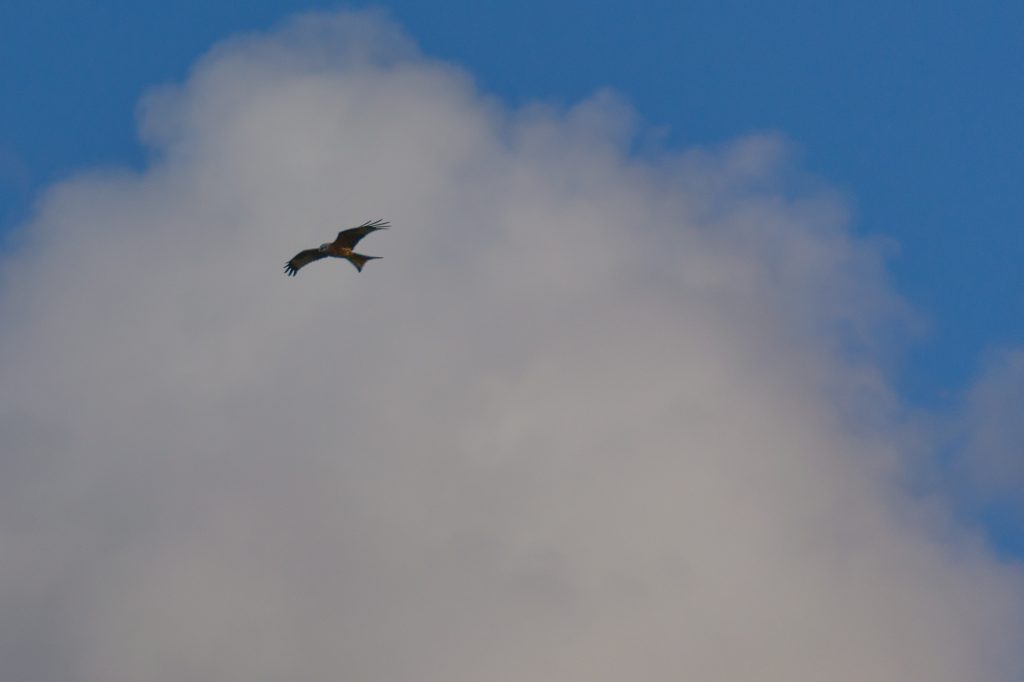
342	247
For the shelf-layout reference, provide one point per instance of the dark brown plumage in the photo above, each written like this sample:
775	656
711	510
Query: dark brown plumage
339	248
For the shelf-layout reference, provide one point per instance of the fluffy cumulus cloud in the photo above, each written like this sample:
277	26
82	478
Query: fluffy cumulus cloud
596	415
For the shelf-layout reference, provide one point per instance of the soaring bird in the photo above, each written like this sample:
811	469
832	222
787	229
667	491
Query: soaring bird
339	248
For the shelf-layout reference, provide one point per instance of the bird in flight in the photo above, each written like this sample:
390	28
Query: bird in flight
342	247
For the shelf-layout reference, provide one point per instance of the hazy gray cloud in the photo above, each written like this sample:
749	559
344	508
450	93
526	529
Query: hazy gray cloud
993	451
594	416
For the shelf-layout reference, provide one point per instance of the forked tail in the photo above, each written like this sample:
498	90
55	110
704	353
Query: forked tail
359	260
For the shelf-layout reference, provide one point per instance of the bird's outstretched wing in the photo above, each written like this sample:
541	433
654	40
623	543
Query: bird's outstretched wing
302	258
349	238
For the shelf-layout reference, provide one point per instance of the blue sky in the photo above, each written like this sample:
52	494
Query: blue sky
598	395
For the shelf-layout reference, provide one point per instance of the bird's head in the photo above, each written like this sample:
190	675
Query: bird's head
323	248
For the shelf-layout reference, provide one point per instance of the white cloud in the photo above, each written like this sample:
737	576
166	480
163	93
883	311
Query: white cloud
593	417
